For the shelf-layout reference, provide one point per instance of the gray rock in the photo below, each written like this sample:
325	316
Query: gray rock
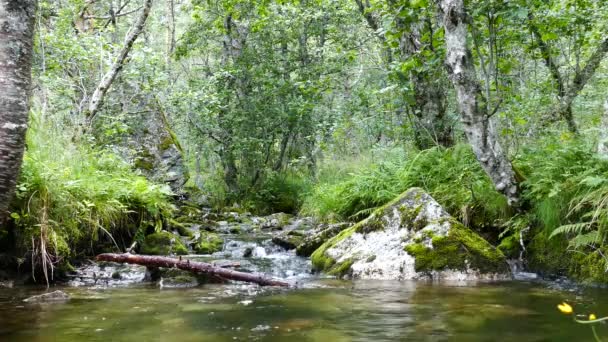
55	296
318	236
412	237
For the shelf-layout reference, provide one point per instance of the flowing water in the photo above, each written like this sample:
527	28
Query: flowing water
316	310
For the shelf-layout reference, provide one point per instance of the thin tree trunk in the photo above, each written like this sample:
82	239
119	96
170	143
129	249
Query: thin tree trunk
170	29
567	95
17	20
191	266
475	118
110	76
602	146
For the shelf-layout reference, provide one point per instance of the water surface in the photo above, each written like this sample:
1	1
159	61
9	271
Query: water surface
322	310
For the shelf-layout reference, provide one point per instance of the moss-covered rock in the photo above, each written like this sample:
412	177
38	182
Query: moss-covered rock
552	257
163	243
460	249
290	240
411	237
208	243
321	234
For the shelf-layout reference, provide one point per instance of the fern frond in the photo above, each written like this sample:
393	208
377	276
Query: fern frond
583	240
576	228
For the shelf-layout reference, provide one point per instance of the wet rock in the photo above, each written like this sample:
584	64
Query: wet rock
321	234
8	284
163	243
248	252
175	278
412	237
289	240
208	243
275	221
107	274
55	296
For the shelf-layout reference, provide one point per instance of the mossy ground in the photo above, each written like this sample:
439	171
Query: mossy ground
459	250
163	243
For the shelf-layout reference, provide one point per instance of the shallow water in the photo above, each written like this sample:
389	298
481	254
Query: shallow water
324	310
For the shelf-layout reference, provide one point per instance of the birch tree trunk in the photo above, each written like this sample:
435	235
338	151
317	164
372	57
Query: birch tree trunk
110	76
16	39
602	145
476	121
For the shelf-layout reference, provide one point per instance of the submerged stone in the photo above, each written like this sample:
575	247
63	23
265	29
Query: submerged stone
412	237
55	296
163	243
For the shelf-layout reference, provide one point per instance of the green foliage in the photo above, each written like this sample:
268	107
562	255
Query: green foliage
70	196
279	192
452	176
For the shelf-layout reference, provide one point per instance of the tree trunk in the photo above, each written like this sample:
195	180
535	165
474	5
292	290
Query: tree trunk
191	266
16	41
476	121
602	146
430	100
110	76
170	13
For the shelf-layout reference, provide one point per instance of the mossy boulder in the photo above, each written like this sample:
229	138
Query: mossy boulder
412	237
550	258
289	240
163	243
208	243
321	234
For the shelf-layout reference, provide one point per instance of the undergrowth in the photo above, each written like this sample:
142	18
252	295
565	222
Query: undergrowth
71	198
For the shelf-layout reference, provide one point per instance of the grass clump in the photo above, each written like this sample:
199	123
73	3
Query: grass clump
72	195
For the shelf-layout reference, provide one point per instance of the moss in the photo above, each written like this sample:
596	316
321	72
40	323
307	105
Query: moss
166	143
409	214
552	257
180	228
144	164
341	269
371	258
163	243
320	261
208	243
459	249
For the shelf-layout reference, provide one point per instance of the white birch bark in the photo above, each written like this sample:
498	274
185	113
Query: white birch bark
476	121
16	38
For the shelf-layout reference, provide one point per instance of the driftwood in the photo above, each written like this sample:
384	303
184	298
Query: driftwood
191	266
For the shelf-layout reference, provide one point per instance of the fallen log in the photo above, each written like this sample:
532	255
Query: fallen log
191	266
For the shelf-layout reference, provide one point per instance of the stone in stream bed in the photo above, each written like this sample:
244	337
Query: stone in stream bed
289	240
208	243
321	234
55	296
163	243
412	237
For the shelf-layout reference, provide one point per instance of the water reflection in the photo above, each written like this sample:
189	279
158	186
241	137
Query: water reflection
326	310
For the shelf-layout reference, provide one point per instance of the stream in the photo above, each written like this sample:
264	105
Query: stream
106	307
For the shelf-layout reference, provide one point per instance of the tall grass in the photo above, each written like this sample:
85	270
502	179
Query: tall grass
71	196
453	176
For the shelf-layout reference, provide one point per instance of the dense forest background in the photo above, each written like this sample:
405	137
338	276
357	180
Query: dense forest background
145	111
